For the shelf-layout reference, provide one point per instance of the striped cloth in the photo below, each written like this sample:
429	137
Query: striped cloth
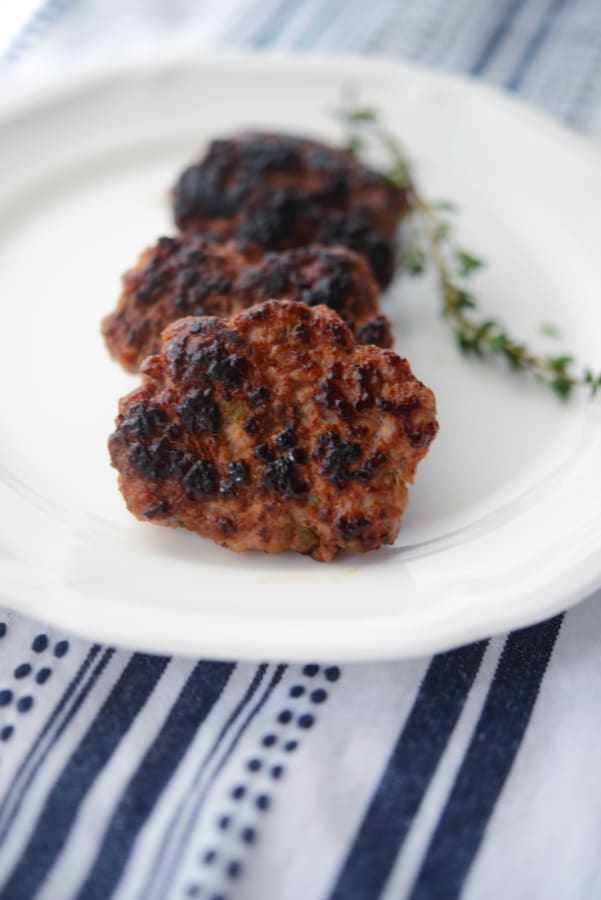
470	774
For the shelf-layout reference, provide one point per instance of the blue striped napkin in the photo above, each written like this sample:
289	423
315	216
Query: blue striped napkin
470	774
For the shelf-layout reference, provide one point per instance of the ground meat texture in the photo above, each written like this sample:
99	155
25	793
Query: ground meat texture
338	430
282	191
191	275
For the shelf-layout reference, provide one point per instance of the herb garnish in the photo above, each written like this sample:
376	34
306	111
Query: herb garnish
431	246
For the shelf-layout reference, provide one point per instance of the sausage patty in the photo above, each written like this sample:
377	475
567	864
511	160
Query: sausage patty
190	275
273	430
282	192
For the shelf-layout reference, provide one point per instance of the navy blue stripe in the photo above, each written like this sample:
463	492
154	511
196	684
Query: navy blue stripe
534	45
199	695
160	861
23	779
497	36
487	763
200	797
125	701
415	757
276	678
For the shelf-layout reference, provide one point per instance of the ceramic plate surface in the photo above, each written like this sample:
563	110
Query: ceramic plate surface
503	526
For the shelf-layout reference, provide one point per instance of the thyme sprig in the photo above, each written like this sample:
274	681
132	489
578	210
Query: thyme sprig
431	245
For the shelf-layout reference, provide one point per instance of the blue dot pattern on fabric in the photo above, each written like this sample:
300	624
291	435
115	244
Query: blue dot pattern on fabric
311	669
263	802
233	869
248	835
3	629
306	721
6	697
24	704
40	643
6	732
61	648
22	671
43	675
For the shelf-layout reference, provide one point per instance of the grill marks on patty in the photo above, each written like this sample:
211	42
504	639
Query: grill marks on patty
191	275
273	430
280	191
269	424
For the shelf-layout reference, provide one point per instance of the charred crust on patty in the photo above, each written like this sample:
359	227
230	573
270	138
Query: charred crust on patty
281	191
337	431
192	275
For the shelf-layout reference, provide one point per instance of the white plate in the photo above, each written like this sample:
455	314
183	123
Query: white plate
503	526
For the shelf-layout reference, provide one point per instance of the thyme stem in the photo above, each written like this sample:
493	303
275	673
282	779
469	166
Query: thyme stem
432	244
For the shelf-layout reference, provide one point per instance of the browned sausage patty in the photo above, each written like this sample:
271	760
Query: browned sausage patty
281	192
273	430
190	275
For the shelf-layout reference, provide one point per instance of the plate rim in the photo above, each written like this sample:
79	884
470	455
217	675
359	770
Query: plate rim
62	87
61	91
